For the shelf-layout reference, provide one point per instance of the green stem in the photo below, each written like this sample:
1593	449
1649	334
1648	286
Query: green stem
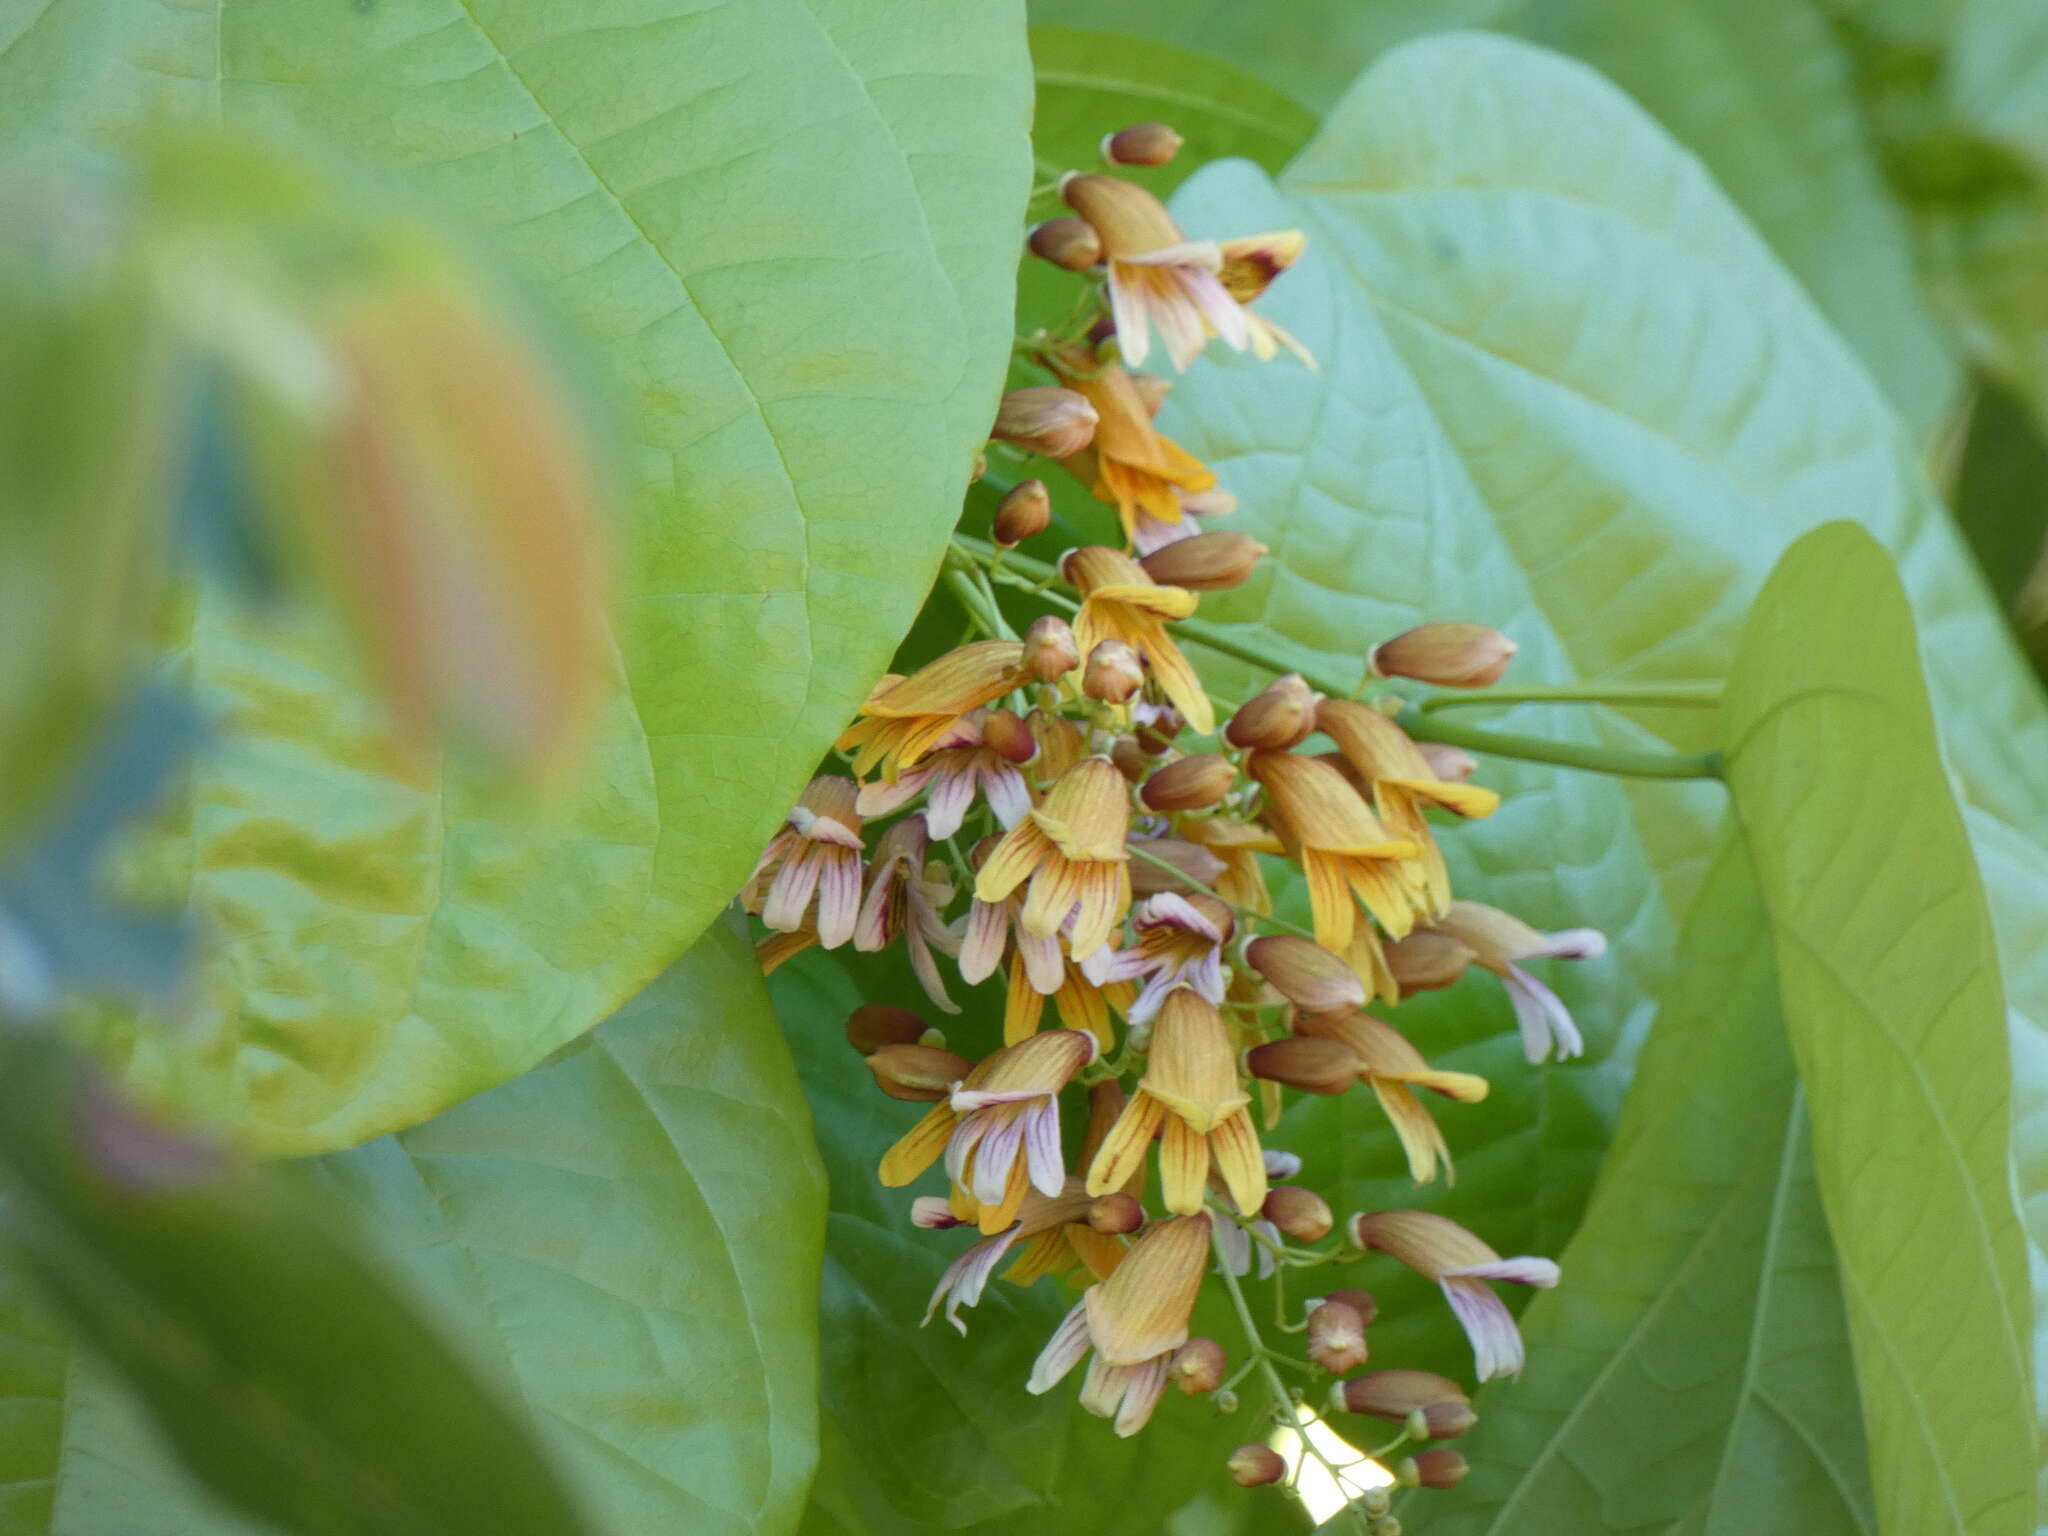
1674	695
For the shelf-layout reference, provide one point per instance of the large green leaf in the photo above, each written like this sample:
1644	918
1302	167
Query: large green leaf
1890	983
1692	1373
1565	390
627	1237
800	276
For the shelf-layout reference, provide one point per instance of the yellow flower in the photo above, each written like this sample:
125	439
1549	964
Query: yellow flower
1134	1321
999	1128
1131	464
1249	267
1497	942
1121	601
1237	844
1398	776
1191	1097
1056	1235
1071	849
816	856
905	718
1344	851
1439	1249
1395	1069
1157	276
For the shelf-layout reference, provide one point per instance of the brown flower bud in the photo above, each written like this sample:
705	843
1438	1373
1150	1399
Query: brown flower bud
1253	1465
1197	1366
1189	783
1207	562
1141	144
1004	732
1130	220
1395	1394
1190	859
1114	674
874	1025
922	1074
1306	1062
1280	715
1306	974
1336	1337
1047	419
1301	1213
1358	1301
1427	960
1115	1212
1049	649
1440	1468
1450	655
1129	757
1448	764
1025	510
1067	242
1158	734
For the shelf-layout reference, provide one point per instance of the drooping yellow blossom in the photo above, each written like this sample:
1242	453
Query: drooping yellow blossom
1056	1237
1395	1069
1192	1098
815	857
1121	601
1131	464
1071	850
1157	276
905	718
1249	266
1439	1249
1497	941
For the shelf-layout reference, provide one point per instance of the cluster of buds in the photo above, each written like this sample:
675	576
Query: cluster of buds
1071	810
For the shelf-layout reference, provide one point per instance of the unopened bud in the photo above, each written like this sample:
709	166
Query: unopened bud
1130	759
1049	649
1115	1212
918	1073
1254	1465
1197	1366
1427	960
874	1025
1406	1474
1301	1214
1376	1501
1280	715
1396	1394
1450	655
1114	673
1307	1062
1386	1525
1066	242
1025	510
934	1213
1158	727
1336	1337
1141	144
1448	764
1004	732
1189	859
1416	1425
1208	562
1189	783
1441	1468
1280	1165
1358	1301
1047	419
1306	974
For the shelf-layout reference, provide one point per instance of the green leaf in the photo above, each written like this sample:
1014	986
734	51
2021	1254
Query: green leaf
291	1376
1891	991
1566	391
626	1237
801	277
1692	1371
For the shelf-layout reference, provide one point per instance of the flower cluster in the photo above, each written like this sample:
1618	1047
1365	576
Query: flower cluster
1067	807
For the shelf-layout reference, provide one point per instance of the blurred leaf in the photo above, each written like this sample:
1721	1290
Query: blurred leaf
1505	257
627	1236
1692	1372
1891	991
286	1372
801	278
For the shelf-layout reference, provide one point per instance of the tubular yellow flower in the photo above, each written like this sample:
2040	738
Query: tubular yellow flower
1497	941
1396	1069
961	762
1134	1322
907	717
1047	1227
815	855
1249	266
1344	850
1119	601
1131	465
1071	850
1157	276
1236	844
1191	1096
1402	786
1438	1249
